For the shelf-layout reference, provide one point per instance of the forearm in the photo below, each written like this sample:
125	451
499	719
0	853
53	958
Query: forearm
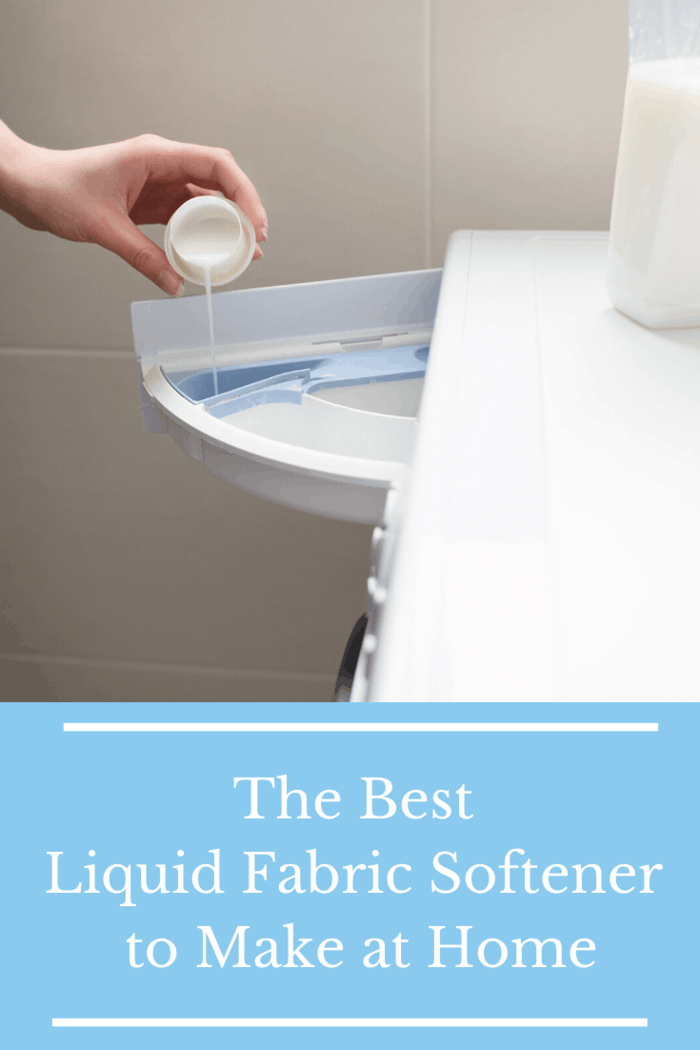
15	168
13	151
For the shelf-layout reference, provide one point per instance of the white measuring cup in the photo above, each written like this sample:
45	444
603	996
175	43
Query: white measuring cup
209	234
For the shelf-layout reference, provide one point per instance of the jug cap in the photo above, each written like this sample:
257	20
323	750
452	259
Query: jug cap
209	221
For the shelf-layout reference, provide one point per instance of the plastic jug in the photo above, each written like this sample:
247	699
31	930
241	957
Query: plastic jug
654	259
212	234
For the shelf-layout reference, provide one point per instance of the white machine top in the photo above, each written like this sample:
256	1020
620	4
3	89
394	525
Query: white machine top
549	531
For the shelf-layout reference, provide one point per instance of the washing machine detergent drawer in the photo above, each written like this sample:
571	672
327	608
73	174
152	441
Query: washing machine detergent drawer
316	391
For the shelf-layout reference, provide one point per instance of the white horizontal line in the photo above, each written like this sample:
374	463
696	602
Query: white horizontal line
360	727
349	1022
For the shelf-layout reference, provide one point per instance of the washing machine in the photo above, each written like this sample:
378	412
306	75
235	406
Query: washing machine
528	456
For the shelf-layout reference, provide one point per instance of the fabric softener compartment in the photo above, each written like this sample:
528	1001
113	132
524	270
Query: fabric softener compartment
317	386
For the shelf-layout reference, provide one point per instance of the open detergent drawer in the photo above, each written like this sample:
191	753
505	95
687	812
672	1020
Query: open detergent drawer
316	392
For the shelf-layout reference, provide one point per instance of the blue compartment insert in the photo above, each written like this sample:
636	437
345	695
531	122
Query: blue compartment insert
276	382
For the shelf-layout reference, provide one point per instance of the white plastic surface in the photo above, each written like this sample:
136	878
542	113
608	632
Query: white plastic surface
327	427
466	615
548	549
397	398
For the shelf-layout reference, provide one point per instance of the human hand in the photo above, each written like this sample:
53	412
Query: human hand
101	194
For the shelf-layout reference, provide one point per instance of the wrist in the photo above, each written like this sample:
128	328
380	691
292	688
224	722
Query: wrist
15	164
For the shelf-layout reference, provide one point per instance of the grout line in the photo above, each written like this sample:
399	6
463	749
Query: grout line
428	143
136	665
40	351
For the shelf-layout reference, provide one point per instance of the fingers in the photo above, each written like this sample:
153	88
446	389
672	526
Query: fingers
200	191
158	203
127	241
238	188
203	165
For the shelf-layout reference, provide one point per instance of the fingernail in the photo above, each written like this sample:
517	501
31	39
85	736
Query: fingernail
170	282
263	233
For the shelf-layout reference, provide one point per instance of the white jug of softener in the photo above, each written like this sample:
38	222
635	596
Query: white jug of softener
654	260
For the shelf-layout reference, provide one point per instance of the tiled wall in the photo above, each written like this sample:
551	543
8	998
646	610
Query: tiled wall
372	129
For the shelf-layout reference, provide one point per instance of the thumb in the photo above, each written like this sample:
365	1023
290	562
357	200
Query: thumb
128	242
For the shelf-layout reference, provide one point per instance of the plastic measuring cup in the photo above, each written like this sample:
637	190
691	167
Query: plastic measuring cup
209	234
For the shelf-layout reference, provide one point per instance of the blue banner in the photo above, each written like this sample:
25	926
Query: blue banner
210	875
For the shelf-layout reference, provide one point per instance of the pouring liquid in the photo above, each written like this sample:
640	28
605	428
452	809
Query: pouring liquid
202	254
207	274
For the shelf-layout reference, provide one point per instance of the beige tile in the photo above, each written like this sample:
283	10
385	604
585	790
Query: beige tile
322	104
527	105
115	545
80	683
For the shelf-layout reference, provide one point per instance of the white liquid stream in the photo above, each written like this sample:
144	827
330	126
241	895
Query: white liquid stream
202	254
654	268
207	274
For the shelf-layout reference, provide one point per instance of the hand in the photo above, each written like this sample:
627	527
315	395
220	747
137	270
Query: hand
102	194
